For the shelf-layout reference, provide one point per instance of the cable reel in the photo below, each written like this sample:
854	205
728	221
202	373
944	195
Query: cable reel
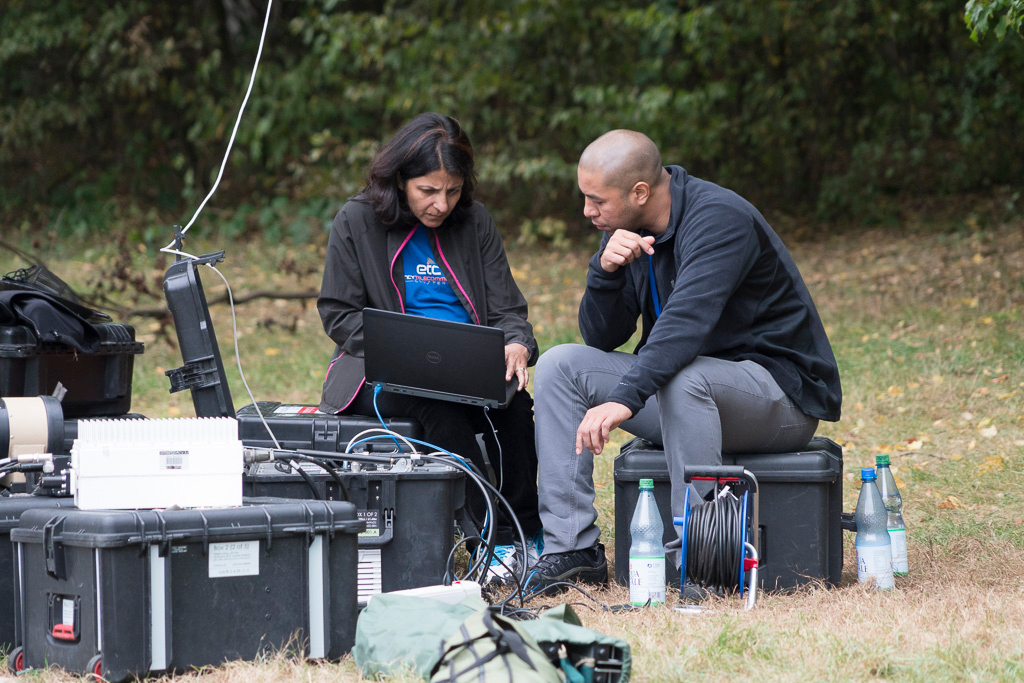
719	537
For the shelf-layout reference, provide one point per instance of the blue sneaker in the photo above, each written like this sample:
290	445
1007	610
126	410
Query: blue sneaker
534	547
503	566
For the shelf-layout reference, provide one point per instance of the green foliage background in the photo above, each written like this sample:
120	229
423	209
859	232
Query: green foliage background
124	107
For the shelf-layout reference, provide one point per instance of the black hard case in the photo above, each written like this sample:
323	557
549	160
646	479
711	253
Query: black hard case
296	426
409	510
800	506
122	570
98	384
11	508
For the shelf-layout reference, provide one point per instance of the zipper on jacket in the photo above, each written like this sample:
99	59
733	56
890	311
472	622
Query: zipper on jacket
440	253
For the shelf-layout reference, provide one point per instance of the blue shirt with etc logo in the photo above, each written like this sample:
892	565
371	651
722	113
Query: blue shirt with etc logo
427	292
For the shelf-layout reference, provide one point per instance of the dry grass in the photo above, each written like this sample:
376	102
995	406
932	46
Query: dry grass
926	321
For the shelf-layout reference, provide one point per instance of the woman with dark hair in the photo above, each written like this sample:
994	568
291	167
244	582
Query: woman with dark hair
414	241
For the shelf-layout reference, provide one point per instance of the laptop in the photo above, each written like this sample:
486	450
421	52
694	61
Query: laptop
439	359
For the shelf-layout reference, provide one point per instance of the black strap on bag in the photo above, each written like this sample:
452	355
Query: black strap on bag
498	640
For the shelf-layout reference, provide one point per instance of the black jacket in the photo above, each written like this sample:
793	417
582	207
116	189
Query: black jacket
729	289
363	269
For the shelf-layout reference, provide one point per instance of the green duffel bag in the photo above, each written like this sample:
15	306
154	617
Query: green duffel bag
401	633
607	657
490	647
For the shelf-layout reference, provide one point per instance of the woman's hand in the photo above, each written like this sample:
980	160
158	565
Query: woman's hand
516	356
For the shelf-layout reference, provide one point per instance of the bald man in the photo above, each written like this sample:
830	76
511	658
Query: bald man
732	357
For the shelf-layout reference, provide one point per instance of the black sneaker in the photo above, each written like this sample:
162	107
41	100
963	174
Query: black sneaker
587	565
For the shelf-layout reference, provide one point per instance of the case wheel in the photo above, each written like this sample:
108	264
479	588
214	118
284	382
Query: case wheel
94	669
16	660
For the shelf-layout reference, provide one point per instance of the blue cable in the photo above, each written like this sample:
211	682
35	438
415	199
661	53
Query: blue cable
654	287
487	516
411	440
376	390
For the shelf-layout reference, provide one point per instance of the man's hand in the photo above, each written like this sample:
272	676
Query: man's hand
597	425
625	247
516	357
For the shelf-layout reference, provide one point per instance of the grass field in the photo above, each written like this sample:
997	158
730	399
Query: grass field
926	320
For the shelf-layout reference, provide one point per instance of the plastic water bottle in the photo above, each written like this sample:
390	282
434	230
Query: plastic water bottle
874	549
646	551
894	507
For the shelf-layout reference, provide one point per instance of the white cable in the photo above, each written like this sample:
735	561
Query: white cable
238	357
231	141
379	430
501	458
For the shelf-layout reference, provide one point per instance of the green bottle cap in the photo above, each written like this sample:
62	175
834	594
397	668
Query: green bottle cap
646	484
882	459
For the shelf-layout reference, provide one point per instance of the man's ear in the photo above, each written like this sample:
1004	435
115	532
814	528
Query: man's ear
640	192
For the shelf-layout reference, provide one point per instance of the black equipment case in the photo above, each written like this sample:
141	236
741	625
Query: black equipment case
408	507
800	507
125	593
98	384
301	426
11	508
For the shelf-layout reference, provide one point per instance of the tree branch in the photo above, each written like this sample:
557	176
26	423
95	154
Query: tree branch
160	312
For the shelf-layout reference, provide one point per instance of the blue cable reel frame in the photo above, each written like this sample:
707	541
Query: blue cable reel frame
748	512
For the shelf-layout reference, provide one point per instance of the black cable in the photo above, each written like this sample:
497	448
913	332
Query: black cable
714	543
449	567
512	515
309	480
479	480
569	584
330	470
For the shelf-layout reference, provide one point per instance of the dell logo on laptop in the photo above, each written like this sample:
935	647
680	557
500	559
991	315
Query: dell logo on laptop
433	356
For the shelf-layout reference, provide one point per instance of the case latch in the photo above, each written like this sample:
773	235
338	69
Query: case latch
54	549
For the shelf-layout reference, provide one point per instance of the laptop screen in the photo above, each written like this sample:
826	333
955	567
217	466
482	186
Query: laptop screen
437	359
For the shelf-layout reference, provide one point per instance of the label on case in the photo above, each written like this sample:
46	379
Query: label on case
68	612
875	562
646	580
240	558
899	551
174	460
372	519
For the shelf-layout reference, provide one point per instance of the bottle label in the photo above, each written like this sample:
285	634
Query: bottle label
899	551
875	562
646	580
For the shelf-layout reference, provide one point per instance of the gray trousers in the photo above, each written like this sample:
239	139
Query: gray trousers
711	406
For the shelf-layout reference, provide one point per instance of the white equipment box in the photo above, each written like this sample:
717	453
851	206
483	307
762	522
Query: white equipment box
133	464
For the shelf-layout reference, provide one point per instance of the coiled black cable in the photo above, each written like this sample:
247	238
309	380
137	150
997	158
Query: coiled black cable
714	543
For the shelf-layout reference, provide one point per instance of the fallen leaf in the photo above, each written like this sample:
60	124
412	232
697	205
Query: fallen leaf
951	503
895	390
914	444
988	432
992	463
272	351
